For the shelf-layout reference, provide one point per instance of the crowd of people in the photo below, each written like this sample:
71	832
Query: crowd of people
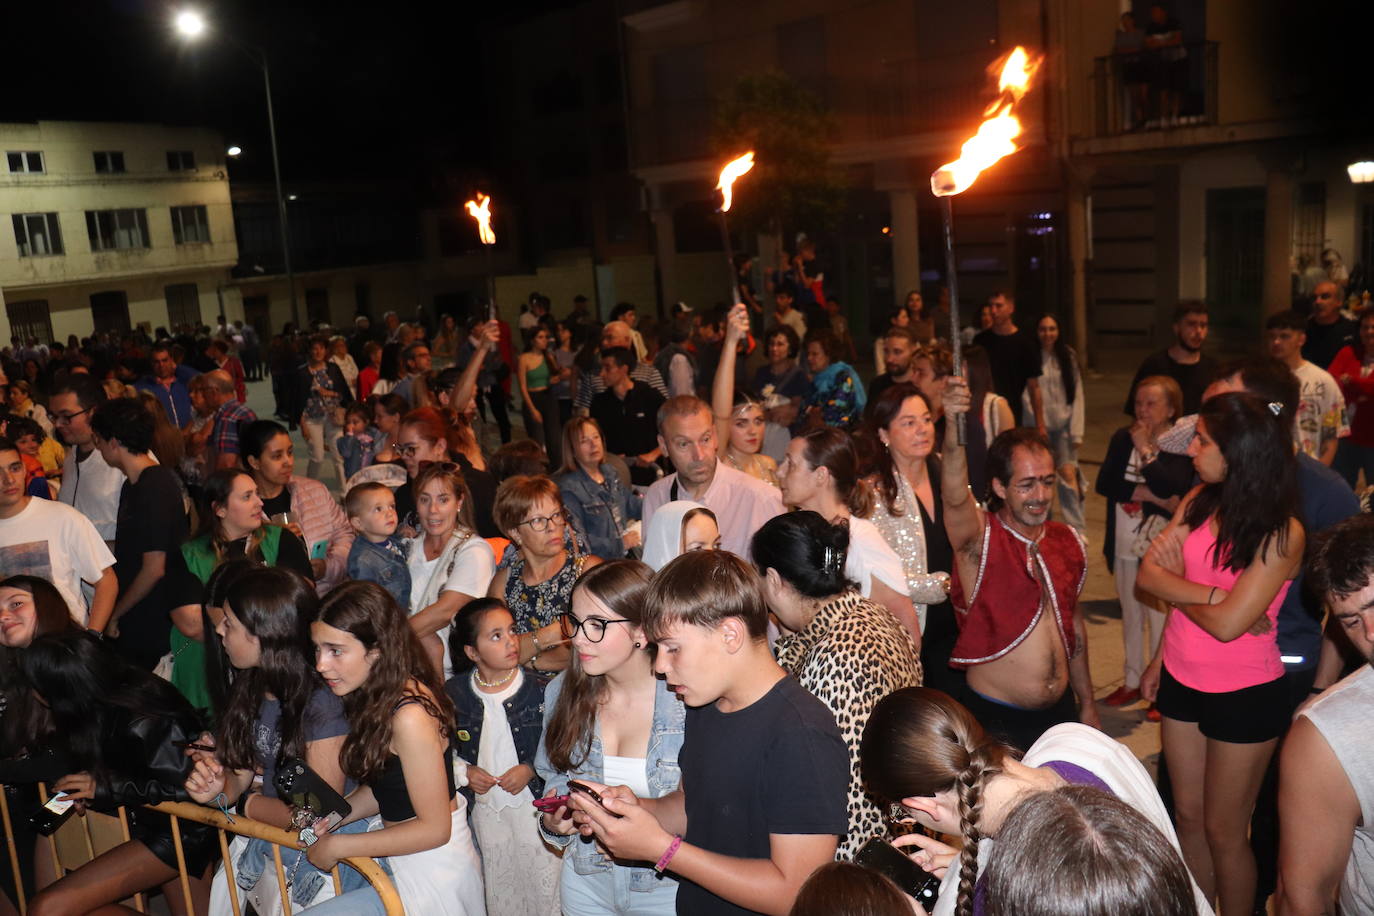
724	622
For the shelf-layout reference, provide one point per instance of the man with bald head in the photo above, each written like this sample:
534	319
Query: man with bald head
229	414
1327	330
614	335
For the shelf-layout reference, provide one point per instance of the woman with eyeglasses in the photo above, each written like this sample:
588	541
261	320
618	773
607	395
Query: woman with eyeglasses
450	564
537	574
609	720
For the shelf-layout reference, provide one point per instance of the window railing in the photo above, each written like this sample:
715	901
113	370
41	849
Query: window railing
1156	89
237	825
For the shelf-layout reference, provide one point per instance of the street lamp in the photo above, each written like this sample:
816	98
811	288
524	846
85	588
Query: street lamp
191	26
234	151
1361	172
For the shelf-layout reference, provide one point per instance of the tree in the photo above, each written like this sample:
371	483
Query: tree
793	184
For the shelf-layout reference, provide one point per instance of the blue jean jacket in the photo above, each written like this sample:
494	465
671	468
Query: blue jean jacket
664	776
369	562
524	714
590	506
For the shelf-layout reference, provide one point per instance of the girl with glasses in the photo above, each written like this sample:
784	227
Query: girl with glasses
500	716
537	573
609	720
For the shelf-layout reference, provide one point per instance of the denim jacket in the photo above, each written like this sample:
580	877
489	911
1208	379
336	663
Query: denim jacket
371	562
664	776
524	713
590	505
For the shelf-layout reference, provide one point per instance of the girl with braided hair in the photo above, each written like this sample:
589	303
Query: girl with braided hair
929	757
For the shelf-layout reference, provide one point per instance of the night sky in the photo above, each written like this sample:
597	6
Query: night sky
359	89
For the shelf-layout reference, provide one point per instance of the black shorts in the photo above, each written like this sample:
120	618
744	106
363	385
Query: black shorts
1013	725
1251	715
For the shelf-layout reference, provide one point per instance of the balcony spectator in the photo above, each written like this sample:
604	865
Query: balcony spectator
1164	36
1133	71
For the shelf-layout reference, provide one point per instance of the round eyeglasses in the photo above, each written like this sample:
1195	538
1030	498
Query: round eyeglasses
593	627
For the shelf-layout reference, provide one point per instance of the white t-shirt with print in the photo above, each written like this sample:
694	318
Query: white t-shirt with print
474	567
1321	409
53	541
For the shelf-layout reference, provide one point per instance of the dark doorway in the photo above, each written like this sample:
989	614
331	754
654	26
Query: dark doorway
258	313
317	306
1235	261
1039	248
110	311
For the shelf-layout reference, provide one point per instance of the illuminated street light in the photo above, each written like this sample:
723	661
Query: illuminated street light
1361	172
234	151
191	26
190	23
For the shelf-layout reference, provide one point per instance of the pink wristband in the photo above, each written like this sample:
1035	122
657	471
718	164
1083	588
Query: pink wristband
668	854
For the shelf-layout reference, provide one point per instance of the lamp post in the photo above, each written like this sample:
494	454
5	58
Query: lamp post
191	26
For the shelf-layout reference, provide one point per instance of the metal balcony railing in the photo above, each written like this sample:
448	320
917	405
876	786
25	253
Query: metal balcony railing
1135	92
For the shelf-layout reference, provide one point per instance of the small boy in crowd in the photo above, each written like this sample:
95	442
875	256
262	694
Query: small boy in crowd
378	554
357	445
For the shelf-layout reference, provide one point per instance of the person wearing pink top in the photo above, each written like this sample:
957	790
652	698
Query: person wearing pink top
1225	563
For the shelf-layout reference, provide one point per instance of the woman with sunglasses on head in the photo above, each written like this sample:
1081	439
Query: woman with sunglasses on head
609	720
542	563
450	565
500	715
400	751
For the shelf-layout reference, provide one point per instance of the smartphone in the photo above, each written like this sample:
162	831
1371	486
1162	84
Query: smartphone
53	814
591	793
551	803
320	550
884	858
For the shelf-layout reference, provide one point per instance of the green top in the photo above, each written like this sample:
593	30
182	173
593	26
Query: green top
188	655
538	377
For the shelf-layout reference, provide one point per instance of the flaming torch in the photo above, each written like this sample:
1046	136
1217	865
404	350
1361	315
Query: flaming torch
733	170
480	210
996	138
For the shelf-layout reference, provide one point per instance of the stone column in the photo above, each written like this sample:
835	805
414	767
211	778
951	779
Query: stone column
905	238
665	251
1278	238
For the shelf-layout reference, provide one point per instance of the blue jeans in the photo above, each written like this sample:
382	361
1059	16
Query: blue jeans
1070	499
362	902
608	894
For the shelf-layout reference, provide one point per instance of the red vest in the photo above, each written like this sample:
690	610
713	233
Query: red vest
1006	602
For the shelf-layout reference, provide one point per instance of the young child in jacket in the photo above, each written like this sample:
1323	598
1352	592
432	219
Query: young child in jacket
378	554
357	444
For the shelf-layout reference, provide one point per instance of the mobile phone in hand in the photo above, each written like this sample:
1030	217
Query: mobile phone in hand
591	793
551	803
884	858
53	813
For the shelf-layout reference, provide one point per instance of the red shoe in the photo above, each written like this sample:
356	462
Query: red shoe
1153	714
1122	696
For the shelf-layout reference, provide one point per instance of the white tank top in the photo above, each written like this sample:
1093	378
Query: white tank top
626	771
1342	716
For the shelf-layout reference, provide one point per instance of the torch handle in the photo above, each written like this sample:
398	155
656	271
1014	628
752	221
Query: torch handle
956	344
729	258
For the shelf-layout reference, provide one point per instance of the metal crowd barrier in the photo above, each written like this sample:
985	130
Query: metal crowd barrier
240	826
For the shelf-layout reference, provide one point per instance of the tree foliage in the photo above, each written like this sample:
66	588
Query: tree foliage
793	184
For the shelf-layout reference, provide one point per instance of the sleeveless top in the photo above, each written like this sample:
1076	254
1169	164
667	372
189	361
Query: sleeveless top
535	606
393	799
1199	660
538	377
1341	714
1006	601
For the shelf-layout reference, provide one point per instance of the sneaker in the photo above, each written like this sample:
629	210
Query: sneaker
1152	714
1122	696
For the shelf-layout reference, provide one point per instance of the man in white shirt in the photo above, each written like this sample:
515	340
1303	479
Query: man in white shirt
40	537
89	485
741	503
1321	422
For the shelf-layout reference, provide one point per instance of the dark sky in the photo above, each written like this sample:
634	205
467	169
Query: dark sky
358	88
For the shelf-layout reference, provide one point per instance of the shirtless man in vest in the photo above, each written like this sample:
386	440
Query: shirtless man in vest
1017	578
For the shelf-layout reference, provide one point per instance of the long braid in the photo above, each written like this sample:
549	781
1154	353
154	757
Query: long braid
969	786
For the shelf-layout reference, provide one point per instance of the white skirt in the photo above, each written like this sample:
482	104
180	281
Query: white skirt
521	873
446	880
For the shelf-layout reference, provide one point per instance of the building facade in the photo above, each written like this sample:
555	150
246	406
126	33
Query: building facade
111	226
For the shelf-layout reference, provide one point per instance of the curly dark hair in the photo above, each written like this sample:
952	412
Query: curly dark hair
367	611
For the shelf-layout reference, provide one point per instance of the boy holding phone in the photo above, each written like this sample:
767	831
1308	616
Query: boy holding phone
764	770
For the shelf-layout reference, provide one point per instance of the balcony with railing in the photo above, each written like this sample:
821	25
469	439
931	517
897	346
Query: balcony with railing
1155	89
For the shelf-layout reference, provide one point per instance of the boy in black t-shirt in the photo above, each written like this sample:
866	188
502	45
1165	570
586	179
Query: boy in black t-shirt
764	770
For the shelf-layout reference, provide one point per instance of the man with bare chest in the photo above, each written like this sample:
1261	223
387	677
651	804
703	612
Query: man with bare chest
1017	577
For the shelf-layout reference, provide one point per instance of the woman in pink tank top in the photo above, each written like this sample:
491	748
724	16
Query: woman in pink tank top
1225	563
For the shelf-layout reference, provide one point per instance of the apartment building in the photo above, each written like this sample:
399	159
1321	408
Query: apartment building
105	226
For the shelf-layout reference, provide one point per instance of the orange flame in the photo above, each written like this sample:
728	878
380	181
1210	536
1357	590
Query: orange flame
733	170
480	210
996	136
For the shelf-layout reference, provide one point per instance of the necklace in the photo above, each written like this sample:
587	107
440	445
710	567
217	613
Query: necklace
499	682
